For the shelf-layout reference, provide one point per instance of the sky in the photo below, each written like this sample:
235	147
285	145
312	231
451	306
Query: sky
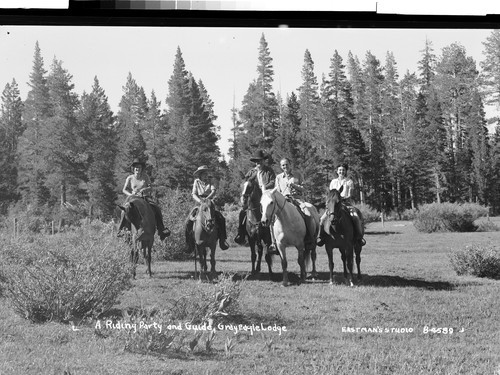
225	59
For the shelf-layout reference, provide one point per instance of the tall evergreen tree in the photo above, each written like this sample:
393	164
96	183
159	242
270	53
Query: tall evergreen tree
373	130
11	127
96	119
490	68
259	114
129	125
456	82
62	143
32	163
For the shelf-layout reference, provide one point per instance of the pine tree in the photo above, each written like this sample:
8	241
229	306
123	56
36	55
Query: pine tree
259	114
456	82
129	125
32	164
371	115
11	127
490	68
96	119
62	146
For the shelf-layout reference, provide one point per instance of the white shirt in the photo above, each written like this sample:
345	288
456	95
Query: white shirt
346	183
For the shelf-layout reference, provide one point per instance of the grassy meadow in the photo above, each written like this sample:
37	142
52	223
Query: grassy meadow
411	314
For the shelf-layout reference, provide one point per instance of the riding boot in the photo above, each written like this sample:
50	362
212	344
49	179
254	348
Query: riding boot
163	232
221	224
240	238
322	237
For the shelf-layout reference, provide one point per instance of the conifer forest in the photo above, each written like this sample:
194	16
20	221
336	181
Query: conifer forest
409	139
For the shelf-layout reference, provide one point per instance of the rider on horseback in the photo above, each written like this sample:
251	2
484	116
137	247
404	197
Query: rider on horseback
289	184
139	184
347	187
203	189
266	178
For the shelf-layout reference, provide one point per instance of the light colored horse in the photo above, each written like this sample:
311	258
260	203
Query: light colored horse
205	236
256	232
289	228
140	214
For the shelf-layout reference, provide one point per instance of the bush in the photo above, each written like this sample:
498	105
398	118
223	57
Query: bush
176	206
448	217
65	276
487	226
369	214
477	261
199	308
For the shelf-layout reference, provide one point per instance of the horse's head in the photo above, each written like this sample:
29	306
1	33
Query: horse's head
269	205
333	200
251	193
206	215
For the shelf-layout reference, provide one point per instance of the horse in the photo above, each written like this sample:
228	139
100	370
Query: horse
289	228
341	234
205	235
143	226
256	232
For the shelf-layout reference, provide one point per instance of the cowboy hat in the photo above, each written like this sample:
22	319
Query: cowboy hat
203	168
260	155
138	161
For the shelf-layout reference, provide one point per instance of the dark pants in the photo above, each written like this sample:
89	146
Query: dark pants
242	231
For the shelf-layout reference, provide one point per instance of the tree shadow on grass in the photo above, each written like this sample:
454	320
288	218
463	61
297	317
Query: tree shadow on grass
383	233
385	281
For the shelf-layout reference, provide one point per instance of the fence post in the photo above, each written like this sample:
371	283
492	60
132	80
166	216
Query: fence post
52	227
15	228
382	218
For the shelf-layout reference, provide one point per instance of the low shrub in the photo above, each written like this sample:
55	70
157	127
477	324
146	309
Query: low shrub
369	214
448	217
487	226
176	206
189	323
65	276
477	261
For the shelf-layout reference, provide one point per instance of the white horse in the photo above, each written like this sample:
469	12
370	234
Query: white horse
289	228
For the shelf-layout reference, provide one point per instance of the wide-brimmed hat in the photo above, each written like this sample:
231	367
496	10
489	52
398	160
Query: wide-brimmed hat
203	168
258	156
138	161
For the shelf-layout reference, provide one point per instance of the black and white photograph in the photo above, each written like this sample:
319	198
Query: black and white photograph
263	198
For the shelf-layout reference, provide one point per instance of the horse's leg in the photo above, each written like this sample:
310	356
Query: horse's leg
269	261
253	255
146	253
329	252
302	264
314	273
357	250
350	262
284	263
213	273
135	258
260	251
132	260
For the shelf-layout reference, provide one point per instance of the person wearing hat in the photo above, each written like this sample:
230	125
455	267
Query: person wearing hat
203	189
139	184
265	177
348	186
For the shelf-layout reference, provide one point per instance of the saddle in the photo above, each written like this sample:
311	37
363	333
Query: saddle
308	240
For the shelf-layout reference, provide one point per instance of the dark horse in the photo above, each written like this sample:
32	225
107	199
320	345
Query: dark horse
256	232
143	226
205	235
341	234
